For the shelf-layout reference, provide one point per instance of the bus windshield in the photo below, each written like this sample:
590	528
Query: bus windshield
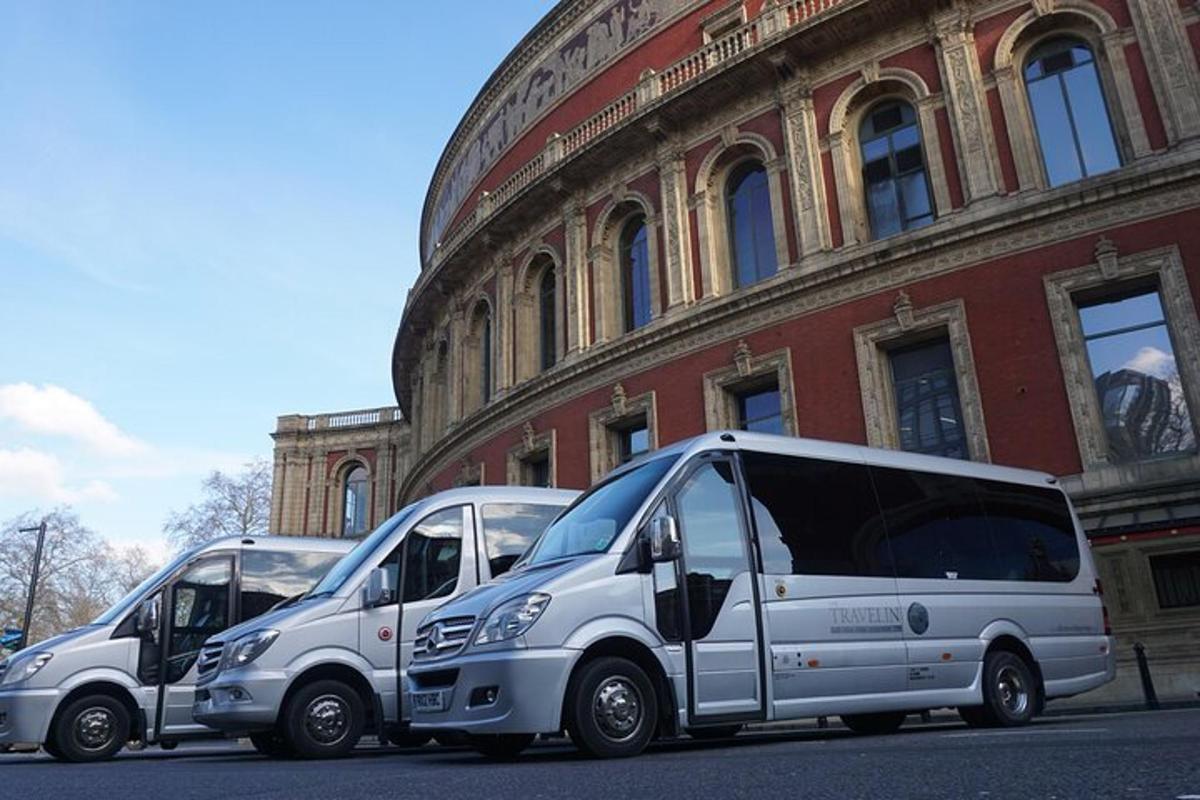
125	603
592	522
350	562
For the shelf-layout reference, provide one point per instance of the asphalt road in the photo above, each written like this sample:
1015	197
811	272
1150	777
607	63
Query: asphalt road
1138	755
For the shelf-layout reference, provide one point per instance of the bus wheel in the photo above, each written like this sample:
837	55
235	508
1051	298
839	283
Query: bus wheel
719	732
169	744
407	738
874	724
1009	689
613	710
324	720
270	744
975	716
503	746
92	728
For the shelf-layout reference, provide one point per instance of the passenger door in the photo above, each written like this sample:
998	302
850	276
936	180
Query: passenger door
829	590
199	604
721	610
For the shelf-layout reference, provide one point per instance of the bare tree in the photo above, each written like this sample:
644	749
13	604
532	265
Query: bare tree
233	505
80	576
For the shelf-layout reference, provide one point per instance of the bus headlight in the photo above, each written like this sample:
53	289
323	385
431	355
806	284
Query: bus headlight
241	652
23	667
513	618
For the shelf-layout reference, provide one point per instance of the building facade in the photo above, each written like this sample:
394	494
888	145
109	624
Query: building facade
337	474
960	228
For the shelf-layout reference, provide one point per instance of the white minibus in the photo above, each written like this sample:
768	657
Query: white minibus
130	675
739	577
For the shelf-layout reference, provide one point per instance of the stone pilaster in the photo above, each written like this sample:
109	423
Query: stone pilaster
804	168
503	320
672	173
967	105
575	272
1171	63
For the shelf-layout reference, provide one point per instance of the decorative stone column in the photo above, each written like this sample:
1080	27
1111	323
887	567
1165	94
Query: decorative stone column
1172	65
575	273
458	337
503	355
672	173
966	104
804	167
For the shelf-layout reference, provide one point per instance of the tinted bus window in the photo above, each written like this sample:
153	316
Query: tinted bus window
270	577
936	525
1032	532
510	528
816	517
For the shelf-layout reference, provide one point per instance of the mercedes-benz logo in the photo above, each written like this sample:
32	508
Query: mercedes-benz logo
434	638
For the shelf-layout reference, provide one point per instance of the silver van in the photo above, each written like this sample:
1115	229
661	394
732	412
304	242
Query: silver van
309	679
130	675
740	577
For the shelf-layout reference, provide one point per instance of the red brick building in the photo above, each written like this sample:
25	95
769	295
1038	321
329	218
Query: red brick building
964	228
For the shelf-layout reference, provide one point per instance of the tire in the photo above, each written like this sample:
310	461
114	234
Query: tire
503	746
169	744
451	739
975	716
875	724
612	708
270	744
92	728
324	719
1010	691
407	738
709	734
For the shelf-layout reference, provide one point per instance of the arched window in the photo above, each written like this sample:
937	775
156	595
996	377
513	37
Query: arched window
357	502
1069	111
635	273
548	317
894	175
485	355
751	231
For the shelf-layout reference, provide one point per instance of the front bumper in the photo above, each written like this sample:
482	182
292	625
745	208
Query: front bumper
241	700
25	714
530	687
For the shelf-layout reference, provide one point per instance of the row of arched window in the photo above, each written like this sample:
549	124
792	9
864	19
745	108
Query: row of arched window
1074	133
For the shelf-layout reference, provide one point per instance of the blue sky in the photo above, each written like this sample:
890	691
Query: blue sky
208	217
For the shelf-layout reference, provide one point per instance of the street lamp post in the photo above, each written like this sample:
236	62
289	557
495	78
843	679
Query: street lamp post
33	579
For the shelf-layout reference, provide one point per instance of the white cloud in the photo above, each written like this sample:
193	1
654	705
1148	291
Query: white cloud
54	410
33	476
1152	361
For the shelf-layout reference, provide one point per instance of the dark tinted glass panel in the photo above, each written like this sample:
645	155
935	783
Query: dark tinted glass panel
894	175
199	609
1070	112
270	577
760	411
1177	579
714	547
537	472
1137	379
751	231
510	528
547	318
936	524
816	517
928	413
635	273
633	441
485	355
1032	533
432	552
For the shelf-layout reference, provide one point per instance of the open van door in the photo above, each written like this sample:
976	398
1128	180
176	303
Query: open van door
723	629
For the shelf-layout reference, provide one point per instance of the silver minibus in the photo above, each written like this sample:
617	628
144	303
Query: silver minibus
309	679
130	674
738	578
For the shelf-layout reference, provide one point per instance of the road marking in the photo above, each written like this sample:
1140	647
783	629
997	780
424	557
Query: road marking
1188	797
973	734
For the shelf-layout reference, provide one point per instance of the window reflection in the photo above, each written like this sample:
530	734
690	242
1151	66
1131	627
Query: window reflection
894	175
928	412
546	292
1137	380
633	441
760	410
357	500
1069	111
751	231
635	273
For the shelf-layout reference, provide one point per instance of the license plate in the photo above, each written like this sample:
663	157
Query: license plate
429	701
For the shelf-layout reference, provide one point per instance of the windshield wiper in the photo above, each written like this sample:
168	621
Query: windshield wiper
326	593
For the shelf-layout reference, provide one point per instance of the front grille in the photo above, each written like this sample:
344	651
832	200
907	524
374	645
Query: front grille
210	659
443	638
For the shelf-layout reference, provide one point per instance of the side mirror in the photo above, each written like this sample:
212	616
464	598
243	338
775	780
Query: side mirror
664	539
378	591
148	617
